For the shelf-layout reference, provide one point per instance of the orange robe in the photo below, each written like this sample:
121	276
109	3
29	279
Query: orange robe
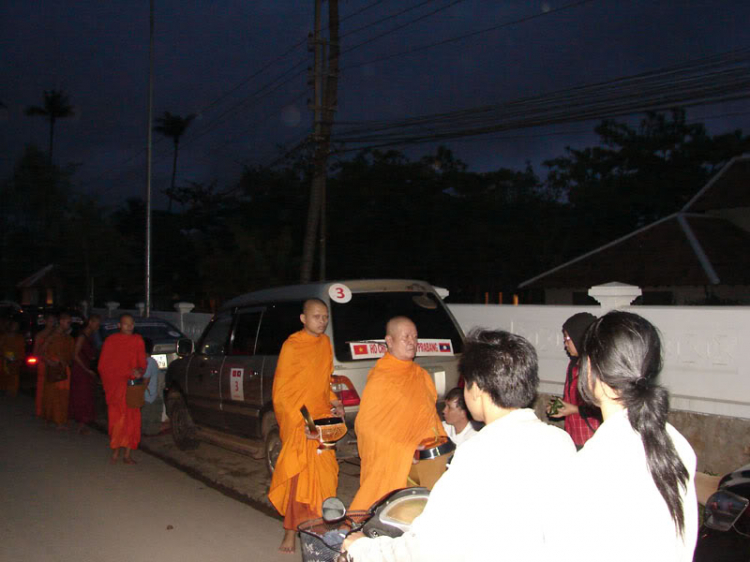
12	354
303	477
40	372
397	413
57	347
121	354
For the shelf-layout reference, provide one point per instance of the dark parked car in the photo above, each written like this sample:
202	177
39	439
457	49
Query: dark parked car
163	334
725	533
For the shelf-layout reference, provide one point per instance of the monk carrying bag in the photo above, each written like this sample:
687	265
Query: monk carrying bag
135	394
55	373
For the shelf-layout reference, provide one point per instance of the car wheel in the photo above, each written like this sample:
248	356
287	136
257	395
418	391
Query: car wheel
183	429
273	448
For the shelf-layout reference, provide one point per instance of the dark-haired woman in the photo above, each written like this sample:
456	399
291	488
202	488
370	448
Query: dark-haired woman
633	479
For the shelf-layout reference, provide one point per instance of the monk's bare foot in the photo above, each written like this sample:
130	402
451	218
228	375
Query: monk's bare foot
129	460
62	427
289	542
113	459
83	430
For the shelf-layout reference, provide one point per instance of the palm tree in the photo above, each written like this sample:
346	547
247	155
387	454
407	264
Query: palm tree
56	106
173	126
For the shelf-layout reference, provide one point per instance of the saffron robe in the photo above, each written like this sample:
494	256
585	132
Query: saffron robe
82	407
12	355
121	354
303	477
41	371
398	412
57	347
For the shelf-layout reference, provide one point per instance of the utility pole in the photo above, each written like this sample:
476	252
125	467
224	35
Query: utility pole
147	280
325	77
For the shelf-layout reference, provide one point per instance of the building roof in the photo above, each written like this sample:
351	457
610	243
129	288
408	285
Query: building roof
43	277
683	249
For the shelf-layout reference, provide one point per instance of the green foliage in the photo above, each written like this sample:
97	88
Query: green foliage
387	216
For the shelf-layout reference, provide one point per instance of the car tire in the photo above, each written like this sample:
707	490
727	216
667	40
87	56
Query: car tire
183	429
272	448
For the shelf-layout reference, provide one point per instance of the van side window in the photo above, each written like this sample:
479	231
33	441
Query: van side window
280	321
245	333
215	339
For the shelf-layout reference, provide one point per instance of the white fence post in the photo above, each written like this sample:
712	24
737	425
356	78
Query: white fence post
614	295
111	307
183	308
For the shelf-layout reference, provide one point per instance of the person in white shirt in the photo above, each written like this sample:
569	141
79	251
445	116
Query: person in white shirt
487	505
634	479
456	415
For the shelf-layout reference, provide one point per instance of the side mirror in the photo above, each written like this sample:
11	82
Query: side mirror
333	510
184	347
723	509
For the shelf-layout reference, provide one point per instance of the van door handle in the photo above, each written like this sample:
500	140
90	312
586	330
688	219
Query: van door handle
253	374
214	372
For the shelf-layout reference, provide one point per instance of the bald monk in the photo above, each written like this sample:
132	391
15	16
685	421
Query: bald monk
50	322
123	358
303	476
57	353
398	411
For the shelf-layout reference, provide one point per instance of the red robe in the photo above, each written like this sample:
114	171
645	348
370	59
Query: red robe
121	354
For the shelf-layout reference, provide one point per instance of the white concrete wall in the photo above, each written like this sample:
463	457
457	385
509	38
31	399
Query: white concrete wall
707	349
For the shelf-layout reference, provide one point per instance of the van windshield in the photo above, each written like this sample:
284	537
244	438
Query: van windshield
365	316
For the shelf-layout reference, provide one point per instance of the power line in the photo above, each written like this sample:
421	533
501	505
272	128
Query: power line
467	35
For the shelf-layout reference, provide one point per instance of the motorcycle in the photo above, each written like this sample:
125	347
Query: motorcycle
724	535
390	516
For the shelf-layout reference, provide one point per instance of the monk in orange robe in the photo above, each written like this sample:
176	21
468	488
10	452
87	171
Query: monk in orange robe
398	412
12	355
50	322
123	358
304	476
57	352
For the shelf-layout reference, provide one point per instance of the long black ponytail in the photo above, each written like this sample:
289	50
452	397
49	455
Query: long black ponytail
623	350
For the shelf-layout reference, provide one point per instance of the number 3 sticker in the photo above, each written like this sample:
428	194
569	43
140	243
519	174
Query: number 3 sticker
340	293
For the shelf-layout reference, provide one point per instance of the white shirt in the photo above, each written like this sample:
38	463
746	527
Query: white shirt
459	438
486	507
622	515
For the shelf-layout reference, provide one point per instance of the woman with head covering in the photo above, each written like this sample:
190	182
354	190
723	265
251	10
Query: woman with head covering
581	419
635	476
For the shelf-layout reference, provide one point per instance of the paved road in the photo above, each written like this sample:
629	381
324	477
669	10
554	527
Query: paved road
60	500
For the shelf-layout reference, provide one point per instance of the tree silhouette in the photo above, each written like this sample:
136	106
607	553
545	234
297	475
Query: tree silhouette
173	127
56	106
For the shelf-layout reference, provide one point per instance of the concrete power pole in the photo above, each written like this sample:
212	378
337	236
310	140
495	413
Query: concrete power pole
324	102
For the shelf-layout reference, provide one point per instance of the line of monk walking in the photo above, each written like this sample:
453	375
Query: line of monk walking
397	413
67	374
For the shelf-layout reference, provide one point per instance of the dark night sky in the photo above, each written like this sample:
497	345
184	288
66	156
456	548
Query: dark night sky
98	53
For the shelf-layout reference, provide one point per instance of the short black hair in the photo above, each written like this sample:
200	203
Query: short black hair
503	365
457	394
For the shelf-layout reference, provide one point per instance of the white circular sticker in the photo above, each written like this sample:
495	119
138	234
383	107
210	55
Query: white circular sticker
340	293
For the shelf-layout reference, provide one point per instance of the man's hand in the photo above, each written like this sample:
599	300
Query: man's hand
137	373
338	408
350	539
317	436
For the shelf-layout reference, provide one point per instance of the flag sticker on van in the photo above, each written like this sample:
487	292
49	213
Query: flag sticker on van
236	386
373	349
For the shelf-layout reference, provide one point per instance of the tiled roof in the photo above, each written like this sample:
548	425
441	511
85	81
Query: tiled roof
684	249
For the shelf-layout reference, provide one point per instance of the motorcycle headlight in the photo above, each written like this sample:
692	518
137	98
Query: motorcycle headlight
723	509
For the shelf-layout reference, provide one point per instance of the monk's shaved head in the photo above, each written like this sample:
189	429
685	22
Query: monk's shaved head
306	305
395	323
401	338
125	315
